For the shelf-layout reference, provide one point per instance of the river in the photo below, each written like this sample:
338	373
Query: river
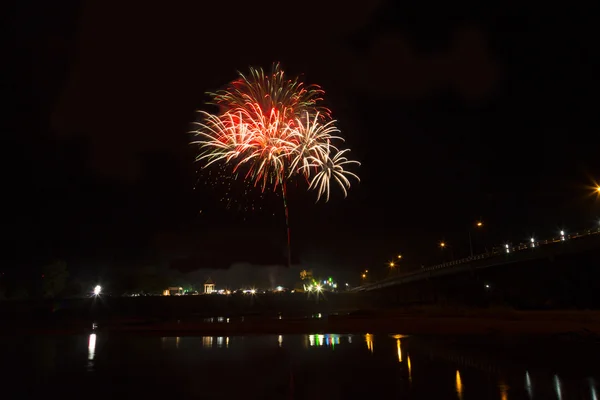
317	366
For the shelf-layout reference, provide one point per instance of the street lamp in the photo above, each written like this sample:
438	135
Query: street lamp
393	265
478	224
443	246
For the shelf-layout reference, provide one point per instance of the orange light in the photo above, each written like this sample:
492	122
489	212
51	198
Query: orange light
442	244
479	224
392	265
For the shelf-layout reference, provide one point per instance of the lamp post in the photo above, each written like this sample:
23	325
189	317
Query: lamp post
443	245
478	224
393	265
364	275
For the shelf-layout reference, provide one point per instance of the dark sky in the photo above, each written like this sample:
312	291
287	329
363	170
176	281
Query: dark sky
455	113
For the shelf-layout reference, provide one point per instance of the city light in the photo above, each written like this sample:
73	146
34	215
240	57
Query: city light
97	290
392	265
318	288
442	244
479	224
399	256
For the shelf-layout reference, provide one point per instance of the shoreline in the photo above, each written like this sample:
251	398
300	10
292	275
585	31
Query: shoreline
477	323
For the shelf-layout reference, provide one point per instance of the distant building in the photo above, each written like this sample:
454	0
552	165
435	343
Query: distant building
209	286
173	291
306	275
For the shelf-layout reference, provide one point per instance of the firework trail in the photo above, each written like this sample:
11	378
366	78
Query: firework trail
270	129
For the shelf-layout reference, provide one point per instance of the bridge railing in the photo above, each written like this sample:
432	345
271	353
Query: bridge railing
496	252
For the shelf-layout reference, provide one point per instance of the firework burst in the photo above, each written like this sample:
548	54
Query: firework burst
269	129
273	128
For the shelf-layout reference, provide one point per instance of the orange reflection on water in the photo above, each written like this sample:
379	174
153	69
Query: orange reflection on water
459	388
503	390
369	340
409	368
399	345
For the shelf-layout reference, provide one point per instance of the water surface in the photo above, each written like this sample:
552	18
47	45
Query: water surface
319	366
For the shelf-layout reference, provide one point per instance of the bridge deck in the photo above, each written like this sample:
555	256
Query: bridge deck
524	252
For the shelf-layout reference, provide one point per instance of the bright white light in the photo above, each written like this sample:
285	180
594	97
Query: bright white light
97	290
318	287
92	346
558	387
279	288
528	385
253	291
562	233
532	240
487	286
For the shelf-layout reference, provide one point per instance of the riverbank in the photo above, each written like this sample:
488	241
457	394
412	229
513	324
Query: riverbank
415	322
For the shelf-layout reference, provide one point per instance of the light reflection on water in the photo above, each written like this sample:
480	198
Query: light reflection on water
406	366
558	387
503	390
369	341
528	385
91	346
459	386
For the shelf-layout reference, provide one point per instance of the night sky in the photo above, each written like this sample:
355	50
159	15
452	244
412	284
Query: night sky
456	114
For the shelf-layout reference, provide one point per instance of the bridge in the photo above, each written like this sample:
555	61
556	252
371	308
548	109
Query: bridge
500	256
561	272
